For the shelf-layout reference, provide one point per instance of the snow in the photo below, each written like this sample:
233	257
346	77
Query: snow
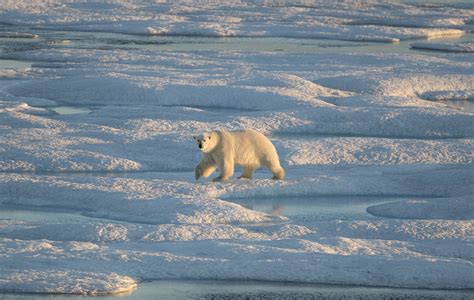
410	85
65	282
376	151
18	35
346	124
449	95
346	20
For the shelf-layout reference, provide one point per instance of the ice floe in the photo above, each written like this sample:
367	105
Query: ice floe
64	282
449	95
451	47
18	35
347	20
346	125
363	151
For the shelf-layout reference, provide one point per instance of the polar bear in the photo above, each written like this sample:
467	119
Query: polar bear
246	148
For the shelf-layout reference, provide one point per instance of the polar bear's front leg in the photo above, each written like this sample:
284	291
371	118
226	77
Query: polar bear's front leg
206	166
227	169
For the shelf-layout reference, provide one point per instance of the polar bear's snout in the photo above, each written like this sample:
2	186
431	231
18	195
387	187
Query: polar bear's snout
198	141
202	141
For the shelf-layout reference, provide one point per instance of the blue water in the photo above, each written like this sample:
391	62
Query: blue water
177	290
316	208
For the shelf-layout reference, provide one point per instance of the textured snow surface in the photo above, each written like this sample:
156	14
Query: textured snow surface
348	126
381	21
39	280
453	47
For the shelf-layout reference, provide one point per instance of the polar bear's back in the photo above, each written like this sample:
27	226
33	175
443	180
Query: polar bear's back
251	148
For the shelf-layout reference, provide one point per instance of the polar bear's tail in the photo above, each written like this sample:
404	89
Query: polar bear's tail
278	173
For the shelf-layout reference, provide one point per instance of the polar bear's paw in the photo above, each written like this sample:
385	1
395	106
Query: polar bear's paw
219	179
278	173
197	172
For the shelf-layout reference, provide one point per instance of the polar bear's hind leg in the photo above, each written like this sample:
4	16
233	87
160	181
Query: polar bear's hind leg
246	173
278	172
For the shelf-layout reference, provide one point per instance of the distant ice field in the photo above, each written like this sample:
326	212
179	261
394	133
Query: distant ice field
108	40
52	39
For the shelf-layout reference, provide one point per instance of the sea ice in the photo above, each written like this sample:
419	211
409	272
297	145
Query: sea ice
347	20
345	125
453	47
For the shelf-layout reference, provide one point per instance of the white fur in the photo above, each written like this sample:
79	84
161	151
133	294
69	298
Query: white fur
246	148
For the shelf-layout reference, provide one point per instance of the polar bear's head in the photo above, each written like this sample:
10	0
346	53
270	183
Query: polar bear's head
205	141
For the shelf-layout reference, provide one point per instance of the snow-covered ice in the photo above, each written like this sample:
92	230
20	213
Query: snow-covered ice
454	47
360	20
346	124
